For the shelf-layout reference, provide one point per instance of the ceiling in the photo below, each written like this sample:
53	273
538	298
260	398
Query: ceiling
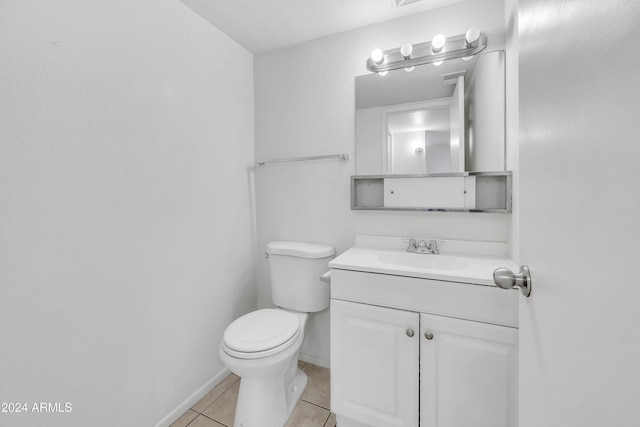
266	25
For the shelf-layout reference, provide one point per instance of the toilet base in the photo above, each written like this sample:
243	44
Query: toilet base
266	401
295	389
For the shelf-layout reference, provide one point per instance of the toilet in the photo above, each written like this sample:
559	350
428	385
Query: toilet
262	347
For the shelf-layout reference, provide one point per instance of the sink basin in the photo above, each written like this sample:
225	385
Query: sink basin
453	268
423	261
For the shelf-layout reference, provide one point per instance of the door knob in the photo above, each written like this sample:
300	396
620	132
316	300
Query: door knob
428	335
507	279
409	333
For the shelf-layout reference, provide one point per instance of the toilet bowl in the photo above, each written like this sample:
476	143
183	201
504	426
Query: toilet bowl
262	347
271	383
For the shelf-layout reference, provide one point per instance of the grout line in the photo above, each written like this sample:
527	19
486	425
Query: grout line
315	404
327	419
213	419
213	401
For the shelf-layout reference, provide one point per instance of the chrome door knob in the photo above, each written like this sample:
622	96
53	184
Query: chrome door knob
507	279
428	335
409	333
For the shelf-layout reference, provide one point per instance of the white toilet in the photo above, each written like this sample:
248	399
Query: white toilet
262	347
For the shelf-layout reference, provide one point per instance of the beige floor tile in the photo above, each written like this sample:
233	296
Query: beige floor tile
307	415
331	422
223	409
203	421
317	391
185	419
301	364
215	393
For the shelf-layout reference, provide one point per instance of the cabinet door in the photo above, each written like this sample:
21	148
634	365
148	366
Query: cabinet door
374	364
468	373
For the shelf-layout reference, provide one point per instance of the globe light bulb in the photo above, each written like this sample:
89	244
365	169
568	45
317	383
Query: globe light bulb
472	35
438	63
377	56
438	43
406	50
383	73
409	69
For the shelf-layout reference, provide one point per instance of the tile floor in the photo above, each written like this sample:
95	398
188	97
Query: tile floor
218	407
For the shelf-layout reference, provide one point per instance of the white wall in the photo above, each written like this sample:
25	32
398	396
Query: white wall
403	155
304	99
126	230
579	204
512	130
486	118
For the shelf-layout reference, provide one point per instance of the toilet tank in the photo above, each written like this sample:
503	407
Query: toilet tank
295	269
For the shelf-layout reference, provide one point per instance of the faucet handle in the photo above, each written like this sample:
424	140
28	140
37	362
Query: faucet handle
412	245
433	246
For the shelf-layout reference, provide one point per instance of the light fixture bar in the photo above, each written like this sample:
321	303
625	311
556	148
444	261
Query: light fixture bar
454	47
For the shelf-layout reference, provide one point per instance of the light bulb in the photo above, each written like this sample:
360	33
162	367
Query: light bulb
438	63
438	43
377	56
409	69
472	35
383	73
406	50
467	58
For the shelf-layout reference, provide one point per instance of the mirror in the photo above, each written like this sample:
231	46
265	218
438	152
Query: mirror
448	118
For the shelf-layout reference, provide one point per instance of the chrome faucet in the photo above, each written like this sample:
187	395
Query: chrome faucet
422	247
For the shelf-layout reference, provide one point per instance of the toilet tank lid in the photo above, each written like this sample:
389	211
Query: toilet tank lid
300	249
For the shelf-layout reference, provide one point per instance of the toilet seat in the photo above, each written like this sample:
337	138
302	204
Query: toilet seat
261	333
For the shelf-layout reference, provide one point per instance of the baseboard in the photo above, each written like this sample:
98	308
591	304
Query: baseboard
193	399
323	363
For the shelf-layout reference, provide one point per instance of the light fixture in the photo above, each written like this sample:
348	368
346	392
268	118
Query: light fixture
471	36
435	52
406	50
409	69
377	56
438	63
438	43
383	73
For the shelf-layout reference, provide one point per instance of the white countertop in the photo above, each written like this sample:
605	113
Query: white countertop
464	268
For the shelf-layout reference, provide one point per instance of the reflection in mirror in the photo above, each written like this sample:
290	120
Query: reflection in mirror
436	119
418	141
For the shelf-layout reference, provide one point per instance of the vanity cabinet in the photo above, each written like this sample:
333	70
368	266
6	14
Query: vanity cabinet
408	359
468	373
374	368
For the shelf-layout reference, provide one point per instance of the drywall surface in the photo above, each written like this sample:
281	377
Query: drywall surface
126	231
304	97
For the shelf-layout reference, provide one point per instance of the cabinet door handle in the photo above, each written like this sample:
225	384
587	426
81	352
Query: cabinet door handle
409	332
428	335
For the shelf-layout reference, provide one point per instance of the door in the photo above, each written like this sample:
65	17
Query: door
374	364
579	171
468	373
